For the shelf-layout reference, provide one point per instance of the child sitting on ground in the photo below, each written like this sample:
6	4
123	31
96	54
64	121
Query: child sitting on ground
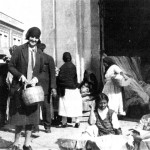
102	120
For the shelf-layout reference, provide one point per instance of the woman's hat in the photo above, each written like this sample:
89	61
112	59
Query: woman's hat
33	32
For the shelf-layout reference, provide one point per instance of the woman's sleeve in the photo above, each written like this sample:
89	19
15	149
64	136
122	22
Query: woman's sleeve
12	66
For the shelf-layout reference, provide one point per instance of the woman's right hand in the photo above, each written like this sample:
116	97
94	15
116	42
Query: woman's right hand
23	79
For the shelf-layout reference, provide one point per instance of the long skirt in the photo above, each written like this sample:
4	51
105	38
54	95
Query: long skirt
70	105
23	115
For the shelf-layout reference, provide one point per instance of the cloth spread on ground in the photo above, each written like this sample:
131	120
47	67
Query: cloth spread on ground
107	142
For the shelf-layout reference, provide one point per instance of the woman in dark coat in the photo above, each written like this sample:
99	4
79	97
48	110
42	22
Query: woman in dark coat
25	68
70	102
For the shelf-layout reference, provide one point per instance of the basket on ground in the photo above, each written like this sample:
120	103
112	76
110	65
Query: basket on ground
33	95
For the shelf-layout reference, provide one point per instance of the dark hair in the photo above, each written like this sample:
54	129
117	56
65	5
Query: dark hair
67	57
100	97
103	96
108	61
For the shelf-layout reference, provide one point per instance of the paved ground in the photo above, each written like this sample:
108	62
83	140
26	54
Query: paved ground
48	141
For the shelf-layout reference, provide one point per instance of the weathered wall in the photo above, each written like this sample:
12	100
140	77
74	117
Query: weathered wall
69	25
95	38
48	26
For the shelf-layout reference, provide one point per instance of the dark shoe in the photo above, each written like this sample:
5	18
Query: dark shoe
14	147
48	130
77	125
27	147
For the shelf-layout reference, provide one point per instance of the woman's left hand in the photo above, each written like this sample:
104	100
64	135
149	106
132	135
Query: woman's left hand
33	82
54	92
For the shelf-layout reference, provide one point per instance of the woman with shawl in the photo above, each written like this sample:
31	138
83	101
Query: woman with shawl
111	88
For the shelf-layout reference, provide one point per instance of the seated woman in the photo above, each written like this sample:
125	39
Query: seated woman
103	120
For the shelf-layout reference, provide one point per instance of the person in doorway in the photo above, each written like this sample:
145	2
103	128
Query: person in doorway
102	120
111	88
70	102
26	65
48	82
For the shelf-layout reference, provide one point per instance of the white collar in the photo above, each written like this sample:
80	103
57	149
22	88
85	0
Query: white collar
105	110
103	113
34	49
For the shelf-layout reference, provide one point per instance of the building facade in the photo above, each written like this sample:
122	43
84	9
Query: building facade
11	33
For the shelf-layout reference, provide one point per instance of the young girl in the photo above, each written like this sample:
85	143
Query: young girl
103	120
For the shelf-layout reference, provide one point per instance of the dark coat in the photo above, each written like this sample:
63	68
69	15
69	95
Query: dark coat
67	78
48	78
20	114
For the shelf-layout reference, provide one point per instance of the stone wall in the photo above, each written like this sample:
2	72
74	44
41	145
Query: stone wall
72	25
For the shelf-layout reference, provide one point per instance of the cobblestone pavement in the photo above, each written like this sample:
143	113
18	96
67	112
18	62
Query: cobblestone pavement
48	141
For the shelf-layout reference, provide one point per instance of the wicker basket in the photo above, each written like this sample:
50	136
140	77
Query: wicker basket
32	95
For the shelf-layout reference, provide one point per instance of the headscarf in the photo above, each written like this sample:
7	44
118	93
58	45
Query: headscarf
67	57
33	32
